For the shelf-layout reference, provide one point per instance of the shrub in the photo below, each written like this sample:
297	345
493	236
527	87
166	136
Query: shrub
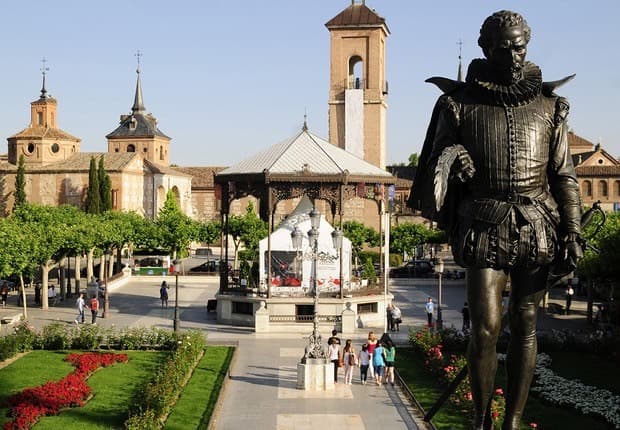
8	347
87	337
369	271
365	255
156	398
26	337
396	260
55	336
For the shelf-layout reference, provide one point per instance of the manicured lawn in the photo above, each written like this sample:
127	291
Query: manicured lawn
114	387
195	406
424	387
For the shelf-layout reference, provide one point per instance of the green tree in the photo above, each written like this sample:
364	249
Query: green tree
360	236
248	230
405	237
176	229
413	160
93	196
368	272
209	232
20	183
105	187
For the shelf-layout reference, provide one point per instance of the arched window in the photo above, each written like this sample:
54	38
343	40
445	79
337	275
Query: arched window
356	73
131	148
161	152
602	189
617	188
586	188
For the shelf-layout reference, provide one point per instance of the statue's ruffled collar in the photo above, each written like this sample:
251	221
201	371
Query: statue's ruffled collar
520	93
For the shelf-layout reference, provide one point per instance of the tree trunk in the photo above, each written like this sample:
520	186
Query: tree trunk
62	276
23	293
102	266
110	266
44	286
119	259
77	274
89	265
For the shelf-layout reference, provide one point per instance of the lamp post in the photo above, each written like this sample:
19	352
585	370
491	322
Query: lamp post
106	294
315	345
439	270
176	323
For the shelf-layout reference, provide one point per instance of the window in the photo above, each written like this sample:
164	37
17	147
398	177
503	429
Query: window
617	188
114	195
40	118
52	115
244	308
30	148
131	148
55	148
586	188
367	308
145	150
356	73
602	188
161	152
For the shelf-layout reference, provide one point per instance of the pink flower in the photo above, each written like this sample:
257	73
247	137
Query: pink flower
499	391
534	425
494	415
468	395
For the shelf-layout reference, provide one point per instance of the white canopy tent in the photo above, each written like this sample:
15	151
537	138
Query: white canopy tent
292	270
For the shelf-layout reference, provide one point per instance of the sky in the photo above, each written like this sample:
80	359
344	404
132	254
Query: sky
226	79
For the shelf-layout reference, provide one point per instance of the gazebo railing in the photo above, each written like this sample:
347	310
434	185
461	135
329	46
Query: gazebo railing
304	319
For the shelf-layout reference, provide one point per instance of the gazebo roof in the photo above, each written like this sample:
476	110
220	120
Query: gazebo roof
305	157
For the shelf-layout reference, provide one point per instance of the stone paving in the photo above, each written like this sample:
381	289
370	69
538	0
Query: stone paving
260	392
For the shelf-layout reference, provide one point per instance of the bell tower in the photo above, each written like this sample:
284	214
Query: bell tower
358	88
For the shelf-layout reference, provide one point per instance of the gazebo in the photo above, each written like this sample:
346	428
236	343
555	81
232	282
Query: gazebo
303	165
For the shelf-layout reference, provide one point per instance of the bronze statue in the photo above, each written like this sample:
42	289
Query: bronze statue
495	173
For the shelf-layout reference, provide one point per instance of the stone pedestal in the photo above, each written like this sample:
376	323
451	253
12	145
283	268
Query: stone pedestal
315	375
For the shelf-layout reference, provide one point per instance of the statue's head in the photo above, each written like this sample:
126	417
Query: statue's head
503	38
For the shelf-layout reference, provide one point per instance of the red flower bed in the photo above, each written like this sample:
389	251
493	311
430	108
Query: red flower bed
48	399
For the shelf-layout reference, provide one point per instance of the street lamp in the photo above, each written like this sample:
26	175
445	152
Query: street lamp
315	349
439	270
177	323
106	294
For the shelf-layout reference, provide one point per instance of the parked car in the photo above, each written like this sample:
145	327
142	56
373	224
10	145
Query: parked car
203	253
413	269
454	274
207	266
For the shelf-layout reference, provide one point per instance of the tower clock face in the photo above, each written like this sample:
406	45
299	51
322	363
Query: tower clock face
55	148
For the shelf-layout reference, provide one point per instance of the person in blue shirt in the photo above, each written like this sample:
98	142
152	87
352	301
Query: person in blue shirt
430	306
378	362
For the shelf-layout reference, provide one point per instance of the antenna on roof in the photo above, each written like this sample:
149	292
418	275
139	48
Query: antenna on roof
44	69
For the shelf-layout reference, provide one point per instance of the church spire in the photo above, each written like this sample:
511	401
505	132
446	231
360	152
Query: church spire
138	103
44	69
459	75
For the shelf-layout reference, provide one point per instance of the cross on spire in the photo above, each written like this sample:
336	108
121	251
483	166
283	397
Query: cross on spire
138	55
44	69
460	71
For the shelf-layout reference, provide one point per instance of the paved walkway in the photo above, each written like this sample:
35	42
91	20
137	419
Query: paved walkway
261	393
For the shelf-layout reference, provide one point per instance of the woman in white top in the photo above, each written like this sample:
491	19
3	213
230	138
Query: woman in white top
333	352
363	361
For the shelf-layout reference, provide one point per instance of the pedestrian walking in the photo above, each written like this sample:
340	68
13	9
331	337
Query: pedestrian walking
430	307
569	296
350	361
396	318
163	294
390	358
465	313
363	361
4	293
80	305
333	353
378	362
94	309
372	343
390	319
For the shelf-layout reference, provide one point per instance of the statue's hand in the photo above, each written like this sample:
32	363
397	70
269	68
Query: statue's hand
464	169
574	251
